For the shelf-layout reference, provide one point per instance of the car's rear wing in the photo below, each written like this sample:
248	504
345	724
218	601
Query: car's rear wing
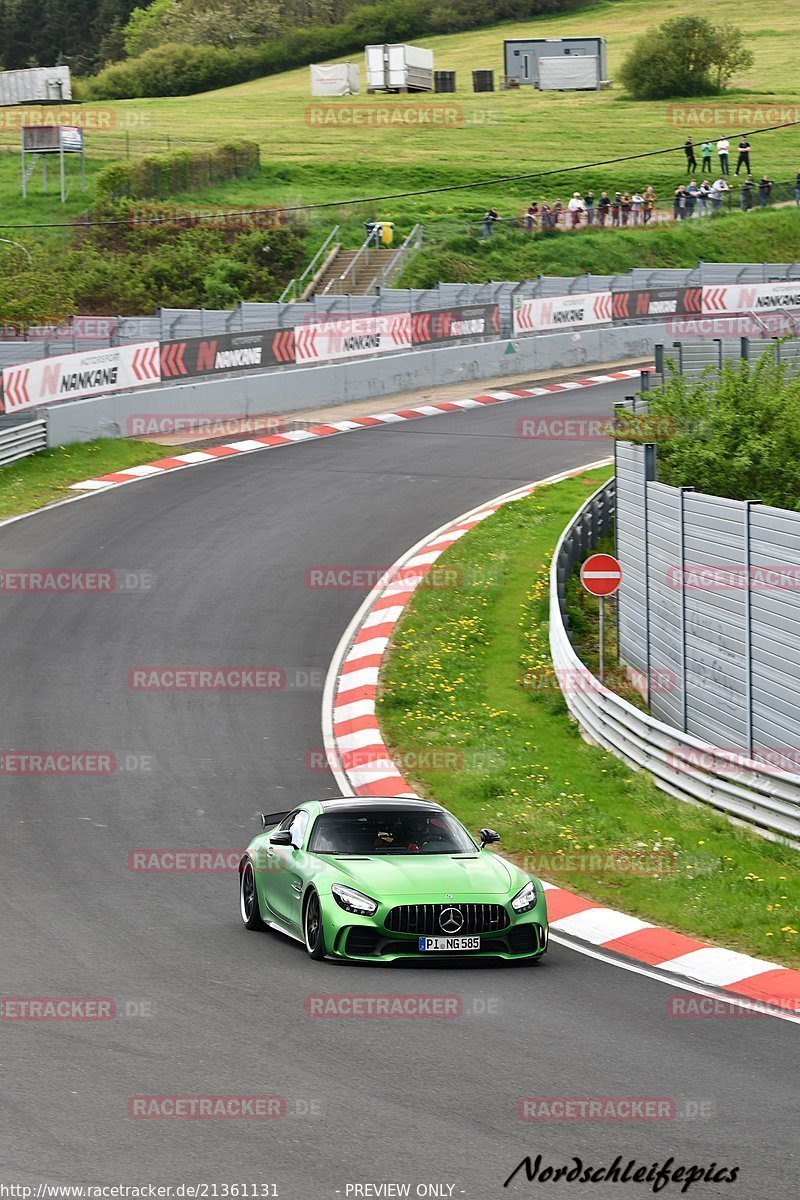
273	818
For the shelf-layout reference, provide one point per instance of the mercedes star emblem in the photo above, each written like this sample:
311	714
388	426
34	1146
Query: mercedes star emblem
451	920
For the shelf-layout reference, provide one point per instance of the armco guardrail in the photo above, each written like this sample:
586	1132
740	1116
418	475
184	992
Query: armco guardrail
682	765
19	440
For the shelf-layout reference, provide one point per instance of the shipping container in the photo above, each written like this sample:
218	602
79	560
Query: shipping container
399	68
523	55
41	85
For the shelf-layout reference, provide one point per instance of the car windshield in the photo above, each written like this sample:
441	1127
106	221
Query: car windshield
389	831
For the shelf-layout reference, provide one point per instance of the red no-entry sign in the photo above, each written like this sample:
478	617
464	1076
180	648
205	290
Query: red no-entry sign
601	575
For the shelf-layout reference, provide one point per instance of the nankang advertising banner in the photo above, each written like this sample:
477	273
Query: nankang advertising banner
226	352
66	376
349	337
751	297
437	325
562	312
639	304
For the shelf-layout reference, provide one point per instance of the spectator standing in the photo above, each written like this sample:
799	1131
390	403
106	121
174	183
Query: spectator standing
764	190
744	155
718	190
649	203
703	197
706	151
692	192
588	203
545	214
625	207
746	195
723	145
615	207
637	204
556	212
604	204
691	161
488	221
532	216
575	207
679	203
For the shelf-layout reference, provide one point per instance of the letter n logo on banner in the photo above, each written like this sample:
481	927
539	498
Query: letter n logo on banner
643	304
51	378
206	356
547	313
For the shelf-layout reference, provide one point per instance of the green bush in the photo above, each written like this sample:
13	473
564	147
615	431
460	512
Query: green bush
160	176
135	266
735	433
686	56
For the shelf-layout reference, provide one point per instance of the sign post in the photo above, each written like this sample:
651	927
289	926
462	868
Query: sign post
601	576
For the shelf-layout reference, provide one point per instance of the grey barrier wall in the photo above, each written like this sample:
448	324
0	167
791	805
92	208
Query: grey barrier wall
328	384
709	609
251	315
686	766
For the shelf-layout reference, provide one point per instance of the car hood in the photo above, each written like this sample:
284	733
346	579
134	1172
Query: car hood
421	874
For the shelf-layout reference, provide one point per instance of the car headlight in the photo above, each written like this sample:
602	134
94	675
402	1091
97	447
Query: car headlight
526	899
353	901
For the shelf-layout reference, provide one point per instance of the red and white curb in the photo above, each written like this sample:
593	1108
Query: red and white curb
196	458
363	766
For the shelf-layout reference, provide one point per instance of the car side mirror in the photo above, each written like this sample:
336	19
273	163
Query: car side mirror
488	836
281	837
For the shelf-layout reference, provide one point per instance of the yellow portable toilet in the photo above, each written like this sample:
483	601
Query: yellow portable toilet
387	232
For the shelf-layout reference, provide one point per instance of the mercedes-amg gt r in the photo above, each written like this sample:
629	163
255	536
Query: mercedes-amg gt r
383	880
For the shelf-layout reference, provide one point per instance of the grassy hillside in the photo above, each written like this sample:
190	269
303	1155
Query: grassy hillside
312	161
513	254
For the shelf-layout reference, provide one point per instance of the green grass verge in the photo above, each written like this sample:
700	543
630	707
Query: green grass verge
45	477
768	235
508	756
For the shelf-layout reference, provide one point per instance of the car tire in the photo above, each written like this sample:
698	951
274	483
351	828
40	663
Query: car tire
248	897
313	930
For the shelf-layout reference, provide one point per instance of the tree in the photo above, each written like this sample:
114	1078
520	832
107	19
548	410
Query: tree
686	56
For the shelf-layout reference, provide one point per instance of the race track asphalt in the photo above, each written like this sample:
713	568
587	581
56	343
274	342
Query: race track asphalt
206	1007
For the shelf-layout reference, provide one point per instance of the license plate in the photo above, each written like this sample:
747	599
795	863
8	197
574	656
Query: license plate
453	943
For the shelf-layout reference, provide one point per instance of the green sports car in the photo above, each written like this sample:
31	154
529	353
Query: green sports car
385	880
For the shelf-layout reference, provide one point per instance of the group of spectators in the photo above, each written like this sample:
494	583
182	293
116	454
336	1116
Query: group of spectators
622	208
695	199
723	152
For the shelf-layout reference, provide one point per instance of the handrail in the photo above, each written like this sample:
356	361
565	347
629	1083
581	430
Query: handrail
294	286
412	242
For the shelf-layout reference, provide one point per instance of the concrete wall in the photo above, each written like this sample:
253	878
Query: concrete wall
296	388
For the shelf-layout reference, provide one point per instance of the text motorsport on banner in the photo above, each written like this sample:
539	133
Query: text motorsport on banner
66	376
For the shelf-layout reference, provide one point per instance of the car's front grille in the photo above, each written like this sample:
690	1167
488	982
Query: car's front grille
448	920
